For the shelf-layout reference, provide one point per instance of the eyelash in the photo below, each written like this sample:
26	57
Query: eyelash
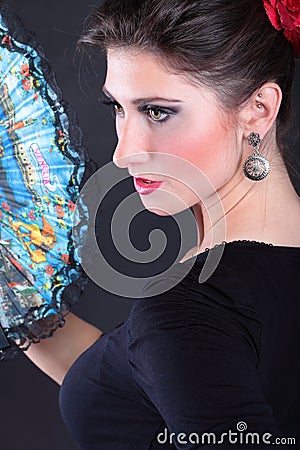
143	108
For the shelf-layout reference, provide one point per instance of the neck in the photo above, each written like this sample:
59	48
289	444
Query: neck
266	210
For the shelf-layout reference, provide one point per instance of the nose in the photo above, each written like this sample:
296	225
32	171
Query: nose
132	148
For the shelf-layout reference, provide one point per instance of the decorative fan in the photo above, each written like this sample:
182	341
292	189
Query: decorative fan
42	169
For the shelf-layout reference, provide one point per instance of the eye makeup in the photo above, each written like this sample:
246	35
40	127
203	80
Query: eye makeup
144	107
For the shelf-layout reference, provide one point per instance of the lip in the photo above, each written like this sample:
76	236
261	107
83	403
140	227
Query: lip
143	188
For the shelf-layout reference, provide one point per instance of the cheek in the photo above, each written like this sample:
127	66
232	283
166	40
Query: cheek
210	151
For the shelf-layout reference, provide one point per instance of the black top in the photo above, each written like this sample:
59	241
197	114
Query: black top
215	357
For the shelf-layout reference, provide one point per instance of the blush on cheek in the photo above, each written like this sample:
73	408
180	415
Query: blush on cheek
211	154
207	152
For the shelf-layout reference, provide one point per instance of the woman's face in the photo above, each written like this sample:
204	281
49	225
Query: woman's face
169	130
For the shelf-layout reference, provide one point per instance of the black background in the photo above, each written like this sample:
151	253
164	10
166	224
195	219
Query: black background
30	418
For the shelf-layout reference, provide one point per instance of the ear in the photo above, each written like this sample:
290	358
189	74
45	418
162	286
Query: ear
260	111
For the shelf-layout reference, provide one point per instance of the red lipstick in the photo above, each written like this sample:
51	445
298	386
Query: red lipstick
144	186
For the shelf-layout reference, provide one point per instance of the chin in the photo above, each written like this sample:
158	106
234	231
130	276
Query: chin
158	212
164	203
165	210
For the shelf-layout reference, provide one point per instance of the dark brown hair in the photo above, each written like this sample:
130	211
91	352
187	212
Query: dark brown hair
228	45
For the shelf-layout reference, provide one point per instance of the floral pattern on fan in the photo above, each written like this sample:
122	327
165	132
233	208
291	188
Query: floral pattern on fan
40	174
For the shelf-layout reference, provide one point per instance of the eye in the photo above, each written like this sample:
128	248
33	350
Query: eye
118	108
157	114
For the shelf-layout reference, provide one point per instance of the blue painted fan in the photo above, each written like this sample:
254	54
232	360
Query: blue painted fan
42	169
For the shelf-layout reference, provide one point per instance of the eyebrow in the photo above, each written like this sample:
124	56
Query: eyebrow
146	99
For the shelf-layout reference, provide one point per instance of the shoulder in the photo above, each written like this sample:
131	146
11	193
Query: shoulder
192	309
195	335
179	287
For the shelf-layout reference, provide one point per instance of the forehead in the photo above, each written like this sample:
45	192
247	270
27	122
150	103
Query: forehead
134	64
130	69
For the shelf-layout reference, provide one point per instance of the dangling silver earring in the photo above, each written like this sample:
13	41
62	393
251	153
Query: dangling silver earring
256	167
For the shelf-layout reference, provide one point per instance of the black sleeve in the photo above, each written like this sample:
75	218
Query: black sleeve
194	354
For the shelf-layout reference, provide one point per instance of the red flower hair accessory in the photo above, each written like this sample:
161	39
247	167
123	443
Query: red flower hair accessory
285	15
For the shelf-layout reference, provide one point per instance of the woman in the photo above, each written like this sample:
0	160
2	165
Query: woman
208	83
